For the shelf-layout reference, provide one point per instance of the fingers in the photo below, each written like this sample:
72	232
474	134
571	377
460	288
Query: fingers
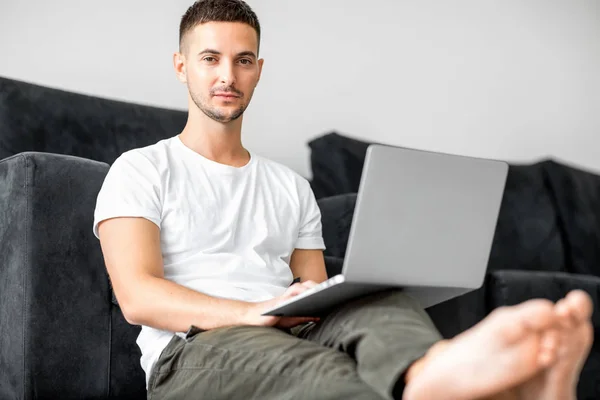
298	288
310	284
294	290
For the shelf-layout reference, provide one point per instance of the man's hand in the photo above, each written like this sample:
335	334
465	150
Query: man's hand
256	309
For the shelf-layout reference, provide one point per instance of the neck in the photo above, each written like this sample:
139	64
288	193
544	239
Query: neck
219	142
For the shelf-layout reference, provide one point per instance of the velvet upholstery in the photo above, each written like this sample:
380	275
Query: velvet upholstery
43	119
38	118
55	308
127	380
13	230
336	219
576	195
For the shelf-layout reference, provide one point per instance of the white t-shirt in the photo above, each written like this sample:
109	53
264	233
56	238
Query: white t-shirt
224	231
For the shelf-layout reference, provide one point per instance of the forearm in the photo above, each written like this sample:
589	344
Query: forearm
166	305
308	265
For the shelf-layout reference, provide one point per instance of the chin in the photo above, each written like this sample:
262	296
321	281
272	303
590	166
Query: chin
224	114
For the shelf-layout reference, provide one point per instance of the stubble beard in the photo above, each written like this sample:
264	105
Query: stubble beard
214	113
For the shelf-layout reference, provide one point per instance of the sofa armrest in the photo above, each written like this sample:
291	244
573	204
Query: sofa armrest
510	287
513	287
54	293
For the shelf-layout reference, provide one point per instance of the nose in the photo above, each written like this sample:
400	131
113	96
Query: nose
227	74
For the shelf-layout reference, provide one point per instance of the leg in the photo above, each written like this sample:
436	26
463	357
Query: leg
385	333
253	363
507	349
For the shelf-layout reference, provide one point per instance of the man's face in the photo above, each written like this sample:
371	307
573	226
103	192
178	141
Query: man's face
221	68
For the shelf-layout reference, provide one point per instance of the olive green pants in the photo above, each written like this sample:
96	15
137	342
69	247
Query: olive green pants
359	351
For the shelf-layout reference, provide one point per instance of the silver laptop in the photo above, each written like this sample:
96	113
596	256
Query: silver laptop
423	222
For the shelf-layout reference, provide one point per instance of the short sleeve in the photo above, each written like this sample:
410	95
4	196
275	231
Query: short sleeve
130	189
310	235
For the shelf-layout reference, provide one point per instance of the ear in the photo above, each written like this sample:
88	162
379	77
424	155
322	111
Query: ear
180	67
260	67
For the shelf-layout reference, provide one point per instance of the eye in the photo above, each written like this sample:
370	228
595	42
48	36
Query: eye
246	61
209	59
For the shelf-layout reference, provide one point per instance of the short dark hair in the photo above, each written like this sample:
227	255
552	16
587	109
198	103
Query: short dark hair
203	11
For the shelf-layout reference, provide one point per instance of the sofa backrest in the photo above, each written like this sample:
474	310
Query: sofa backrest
38	118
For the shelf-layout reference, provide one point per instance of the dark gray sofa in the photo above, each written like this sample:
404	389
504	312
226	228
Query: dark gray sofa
62	334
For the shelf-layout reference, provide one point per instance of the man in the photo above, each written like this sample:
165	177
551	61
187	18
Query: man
200	236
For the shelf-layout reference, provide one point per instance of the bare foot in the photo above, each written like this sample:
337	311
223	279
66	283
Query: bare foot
501	352
575	332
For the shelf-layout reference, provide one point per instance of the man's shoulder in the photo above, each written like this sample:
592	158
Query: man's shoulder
282	170
154	154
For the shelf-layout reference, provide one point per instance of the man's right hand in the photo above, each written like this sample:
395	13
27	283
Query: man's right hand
255	310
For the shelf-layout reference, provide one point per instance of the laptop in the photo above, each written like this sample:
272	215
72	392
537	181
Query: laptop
423	222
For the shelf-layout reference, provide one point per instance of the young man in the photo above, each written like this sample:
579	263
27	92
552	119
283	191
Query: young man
201	235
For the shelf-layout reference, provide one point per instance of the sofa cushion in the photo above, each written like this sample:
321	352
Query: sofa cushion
336	163
528	234
336	218
38	118
576	194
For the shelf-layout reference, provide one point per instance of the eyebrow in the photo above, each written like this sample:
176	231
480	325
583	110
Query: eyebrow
215	52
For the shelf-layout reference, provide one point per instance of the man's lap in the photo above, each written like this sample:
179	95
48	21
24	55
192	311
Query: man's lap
249	362
363	346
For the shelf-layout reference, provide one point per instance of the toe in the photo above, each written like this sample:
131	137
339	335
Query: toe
580	305
587	335
550	340
536	314
531	316
549	346
564	313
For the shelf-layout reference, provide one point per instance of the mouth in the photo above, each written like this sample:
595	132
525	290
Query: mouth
226	96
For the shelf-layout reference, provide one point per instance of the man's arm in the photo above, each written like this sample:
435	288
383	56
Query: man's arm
131	248
308	265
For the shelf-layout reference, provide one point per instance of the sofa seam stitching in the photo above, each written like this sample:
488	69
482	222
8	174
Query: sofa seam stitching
25	274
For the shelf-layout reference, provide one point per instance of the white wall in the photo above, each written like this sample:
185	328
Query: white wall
510	79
